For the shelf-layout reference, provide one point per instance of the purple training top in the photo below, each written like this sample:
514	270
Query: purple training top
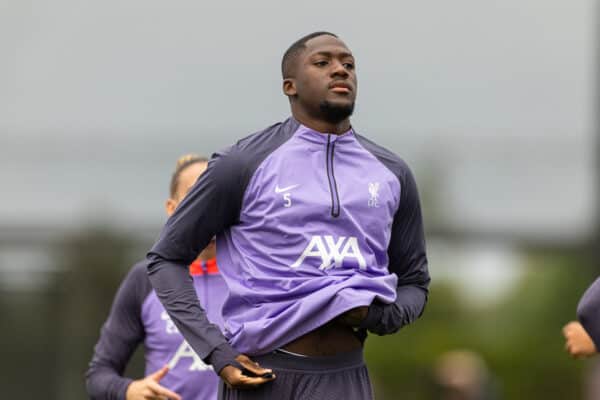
308	226
136	317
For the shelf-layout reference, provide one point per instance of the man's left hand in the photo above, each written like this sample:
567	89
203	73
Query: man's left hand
354	317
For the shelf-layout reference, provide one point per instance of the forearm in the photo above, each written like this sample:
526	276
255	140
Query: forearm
103	383
175	290
384	319
104	377
120	335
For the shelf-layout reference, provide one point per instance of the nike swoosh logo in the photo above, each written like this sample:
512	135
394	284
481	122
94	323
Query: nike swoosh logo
285	189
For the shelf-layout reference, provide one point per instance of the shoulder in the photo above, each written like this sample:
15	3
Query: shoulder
261	143
136	283
388	158
139	271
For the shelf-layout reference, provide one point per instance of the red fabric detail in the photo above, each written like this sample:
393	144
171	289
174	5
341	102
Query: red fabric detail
196	268
210	267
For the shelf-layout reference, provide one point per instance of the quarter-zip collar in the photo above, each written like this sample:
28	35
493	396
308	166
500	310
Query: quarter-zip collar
310	135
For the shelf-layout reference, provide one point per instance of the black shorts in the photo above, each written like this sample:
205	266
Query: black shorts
340	377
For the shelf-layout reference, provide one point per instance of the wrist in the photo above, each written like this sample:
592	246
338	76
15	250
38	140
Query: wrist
222	356
373	317
130	389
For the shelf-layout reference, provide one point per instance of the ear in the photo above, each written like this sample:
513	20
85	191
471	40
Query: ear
170	206
289	87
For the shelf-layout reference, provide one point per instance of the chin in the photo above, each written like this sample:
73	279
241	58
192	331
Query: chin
335	110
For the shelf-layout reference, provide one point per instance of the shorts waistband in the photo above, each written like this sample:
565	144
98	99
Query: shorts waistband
284	360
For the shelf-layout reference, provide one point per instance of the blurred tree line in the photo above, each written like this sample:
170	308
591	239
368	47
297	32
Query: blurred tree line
519	338
49	335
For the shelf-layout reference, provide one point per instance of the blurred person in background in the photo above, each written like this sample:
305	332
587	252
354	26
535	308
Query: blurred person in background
583	336
320	238
591	387
173	370
463	375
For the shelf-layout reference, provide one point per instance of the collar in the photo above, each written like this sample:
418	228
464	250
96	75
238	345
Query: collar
314	136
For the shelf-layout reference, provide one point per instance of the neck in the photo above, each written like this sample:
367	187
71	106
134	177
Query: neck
319	125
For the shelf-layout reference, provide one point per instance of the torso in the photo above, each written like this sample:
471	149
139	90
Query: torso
311	243
327	340
164	345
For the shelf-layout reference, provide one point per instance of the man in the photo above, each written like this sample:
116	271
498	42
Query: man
173	370
583	335
319	238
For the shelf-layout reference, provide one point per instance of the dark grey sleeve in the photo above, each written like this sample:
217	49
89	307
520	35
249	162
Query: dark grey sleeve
212	205
120	335
588	312
408	260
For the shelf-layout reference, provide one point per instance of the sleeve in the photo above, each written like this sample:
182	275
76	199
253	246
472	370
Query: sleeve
588	312
211	206
408	260
120	335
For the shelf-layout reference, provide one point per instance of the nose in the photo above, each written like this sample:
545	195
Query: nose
338	69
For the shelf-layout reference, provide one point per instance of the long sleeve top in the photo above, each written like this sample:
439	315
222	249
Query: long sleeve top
309	225
137	317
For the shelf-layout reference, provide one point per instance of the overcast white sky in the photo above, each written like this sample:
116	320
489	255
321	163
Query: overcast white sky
498	93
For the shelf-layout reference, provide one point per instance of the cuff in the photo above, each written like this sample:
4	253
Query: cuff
122	387
222	356
374	315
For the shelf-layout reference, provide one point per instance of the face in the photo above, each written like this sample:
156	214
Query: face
187	178
323	82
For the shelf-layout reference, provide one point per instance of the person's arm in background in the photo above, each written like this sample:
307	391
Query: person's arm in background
583	337
212	205
408	260
121	334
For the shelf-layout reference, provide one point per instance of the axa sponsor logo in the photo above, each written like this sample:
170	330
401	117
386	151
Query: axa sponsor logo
185	352
332	251
170	327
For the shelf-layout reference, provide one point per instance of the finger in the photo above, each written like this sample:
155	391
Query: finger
163	391
570	350
240	381
254	367
570	347
158	375
155	397
245	382
573	351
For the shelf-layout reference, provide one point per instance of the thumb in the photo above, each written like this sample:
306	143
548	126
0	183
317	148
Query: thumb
158	375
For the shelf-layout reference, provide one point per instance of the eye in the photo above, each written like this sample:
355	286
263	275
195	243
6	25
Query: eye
321	63
349	65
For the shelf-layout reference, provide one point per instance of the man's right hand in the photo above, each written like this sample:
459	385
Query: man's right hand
149	389
235	379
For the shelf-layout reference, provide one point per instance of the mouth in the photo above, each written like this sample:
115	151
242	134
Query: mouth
340	87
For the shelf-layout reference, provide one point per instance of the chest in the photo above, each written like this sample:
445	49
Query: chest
318	185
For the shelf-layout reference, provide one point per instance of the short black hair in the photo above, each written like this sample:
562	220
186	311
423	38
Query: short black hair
290	55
